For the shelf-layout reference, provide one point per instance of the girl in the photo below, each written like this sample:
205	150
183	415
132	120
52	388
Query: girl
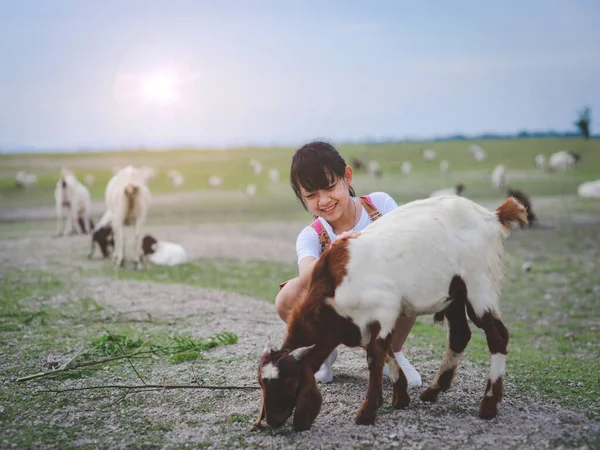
323	184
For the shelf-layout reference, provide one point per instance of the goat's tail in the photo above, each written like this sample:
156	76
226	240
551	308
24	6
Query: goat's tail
511	211
131	195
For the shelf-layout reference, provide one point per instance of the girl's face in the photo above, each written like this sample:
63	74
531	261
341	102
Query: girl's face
331	202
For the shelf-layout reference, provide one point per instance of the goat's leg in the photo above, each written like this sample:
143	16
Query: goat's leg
400	397
119	250
377	351
497	339
59	219
459	335
138	242
261	413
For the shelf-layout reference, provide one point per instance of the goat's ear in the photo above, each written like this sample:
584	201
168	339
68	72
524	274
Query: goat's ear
301	352
308	402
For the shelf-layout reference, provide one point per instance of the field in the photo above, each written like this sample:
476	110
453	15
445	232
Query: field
58	307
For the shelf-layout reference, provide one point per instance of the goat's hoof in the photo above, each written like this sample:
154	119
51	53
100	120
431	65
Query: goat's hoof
365	417
430	394
400	399
489	408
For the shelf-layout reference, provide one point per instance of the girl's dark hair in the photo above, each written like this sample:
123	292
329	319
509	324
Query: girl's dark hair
316	166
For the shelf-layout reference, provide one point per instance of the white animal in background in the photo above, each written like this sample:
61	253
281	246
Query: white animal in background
499	177
251	190
215	181
274	175
590	189
445	168
256	166
406	167
25	179
562	161
89	179
429	155
540	161
127	203
177	179
456	190
75	197
477	153
163	253
149	173
373	168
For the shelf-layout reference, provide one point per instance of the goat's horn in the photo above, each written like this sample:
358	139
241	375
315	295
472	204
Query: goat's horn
268	345
301	352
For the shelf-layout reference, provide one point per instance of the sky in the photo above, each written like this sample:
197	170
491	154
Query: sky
94	74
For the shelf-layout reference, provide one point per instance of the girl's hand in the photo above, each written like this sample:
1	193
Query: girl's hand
349	235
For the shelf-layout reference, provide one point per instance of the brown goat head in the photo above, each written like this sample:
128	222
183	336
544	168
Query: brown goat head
287	383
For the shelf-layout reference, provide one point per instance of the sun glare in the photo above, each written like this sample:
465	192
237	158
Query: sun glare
159	88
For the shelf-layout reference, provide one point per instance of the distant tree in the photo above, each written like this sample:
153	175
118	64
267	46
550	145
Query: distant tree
584	122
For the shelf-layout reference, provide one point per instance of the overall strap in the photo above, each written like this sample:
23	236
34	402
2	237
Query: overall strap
323	236
373	213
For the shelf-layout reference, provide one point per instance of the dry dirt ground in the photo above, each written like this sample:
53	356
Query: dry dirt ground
201	417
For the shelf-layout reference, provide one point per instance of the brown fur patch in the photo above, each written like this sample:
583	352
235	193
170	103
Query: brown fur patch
147	243
496	333
489	405
132	207
511	211
524	200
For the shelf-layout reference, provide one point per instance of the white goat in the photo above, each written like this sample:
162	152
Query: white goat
429	154
406	167
251	190
215	181
562	161
256	166
127	202
499	177
445	168
477	153
177	179
75	197
163	253
274	175
590	189
25	179
373	168
442	256
540	161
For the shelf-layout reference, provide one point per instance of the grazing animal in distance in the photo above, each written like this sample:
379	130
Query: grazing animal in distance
441	256
163	253
72	195
456	190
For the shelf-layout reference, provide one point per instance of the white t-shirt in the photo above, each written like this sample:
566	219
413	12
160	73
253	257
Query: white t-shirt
308	243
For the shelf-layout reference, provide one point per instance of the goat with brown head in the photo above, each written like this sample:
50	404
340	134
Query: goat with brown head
287	383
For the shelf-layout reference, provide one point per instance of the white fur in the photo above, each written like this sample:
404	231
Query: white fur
215	181
167	254
373	168
251	190
561	161
269	372
406	167
499	177
477	153
540	161
116	209
404	262
256	166
80	204
590	189
429	155
497	366
274	175
25	179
